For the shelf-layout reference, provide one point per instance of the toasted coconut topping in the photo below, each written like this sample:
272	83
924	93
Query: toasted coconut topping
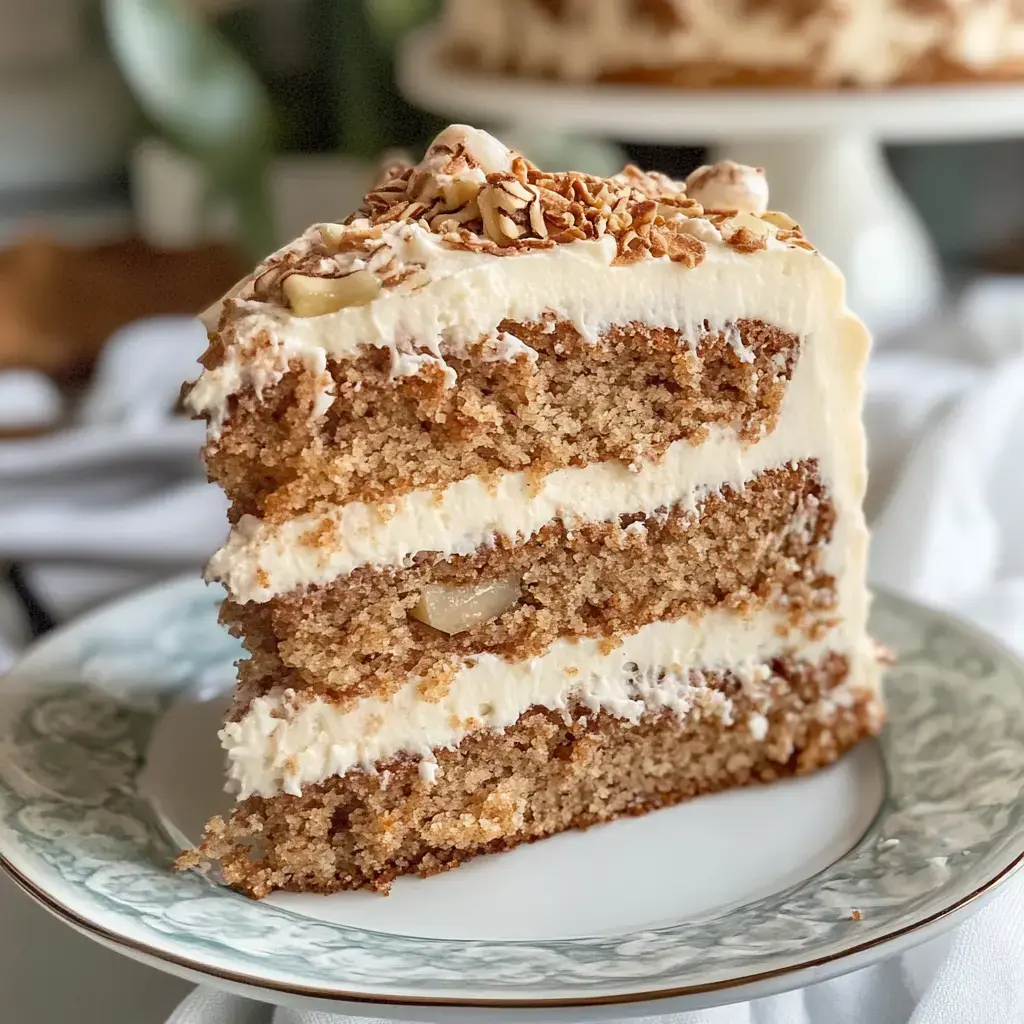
471	193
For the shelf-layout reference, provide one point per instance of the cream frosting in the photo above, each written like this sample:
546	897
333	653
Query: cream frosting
869	42
284	742
465	295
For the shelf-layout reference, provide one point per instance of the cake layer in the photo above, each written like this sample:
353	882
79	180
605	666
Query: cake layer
460	297
818	419
563	400
547	772
760	546
754	42
283	740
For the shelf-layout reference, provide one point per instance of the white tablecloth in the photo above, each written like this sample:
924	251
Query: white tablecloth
945	415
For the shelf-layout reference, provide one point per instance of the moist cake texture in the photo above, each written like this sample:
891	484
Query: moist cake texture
545	509
741	43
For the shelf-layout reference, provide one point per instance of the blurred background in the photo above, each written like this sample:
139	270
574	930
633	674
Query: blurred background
151	151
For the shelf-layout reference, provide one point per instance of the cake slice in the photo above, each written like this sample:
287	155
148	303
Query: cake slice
545	509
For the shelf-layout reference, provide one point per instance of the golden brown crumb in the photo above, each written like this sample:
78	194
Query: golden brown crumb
627	397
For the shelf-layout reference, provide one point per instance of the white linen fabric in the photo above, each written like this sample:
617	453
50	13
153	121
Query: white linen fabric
945	416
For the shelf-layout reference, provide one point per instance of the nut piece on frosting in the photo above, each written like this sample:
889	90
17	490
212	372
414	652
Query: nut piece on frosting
315	296
457	164
455	609
508	208
729	186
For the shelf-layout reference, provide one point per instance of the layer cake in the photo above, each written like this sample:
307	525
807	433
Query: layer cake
545	509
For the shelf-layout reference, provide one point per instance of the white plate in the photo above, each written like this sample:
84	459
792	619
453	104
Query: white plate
108	762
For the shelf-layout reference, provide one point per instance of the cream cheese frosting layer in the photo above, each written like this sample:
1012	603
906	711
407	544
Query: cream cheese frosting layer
461	297
867	42
819	419
283	742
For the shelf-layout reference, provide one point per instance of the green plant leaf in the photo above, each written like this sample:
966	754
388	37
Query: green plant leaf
188	80
390	19
204	98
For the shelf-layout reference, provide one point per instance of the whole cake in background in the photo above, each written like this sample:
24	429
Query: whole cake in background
720	43
546	509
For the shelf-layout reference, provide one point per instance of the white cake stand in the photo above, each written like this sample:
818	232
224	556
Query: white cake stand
822	152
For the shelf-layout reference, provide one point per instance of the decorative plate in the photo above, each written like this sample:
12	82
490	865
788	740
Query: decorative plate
109	760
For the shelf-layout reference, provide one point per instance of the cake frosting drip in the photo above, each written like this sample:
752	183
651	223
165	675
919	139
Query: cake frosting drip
866	42
285	741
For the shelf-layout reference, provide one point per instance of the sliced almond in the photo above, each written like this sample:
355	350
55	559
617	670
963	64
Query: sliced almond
456	609
751	221
332	234
315	296
780	220
489	212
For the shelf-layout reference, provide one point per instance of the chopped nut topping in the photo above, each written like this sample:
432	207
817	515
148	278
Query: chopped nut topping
672	239
745	240
315	296
794	238
510	209
757	225
473	194
456	609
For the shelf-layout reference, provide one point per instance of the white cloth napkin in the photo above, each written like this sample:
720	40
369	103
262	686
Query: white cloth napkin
945	415
117	499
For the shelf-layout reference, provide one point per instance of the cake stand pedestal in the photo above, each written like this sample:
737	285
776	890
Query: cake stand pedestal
822	152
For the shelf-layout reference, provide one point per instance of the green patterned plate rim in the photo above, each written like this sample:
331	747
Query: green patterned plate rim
77	713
